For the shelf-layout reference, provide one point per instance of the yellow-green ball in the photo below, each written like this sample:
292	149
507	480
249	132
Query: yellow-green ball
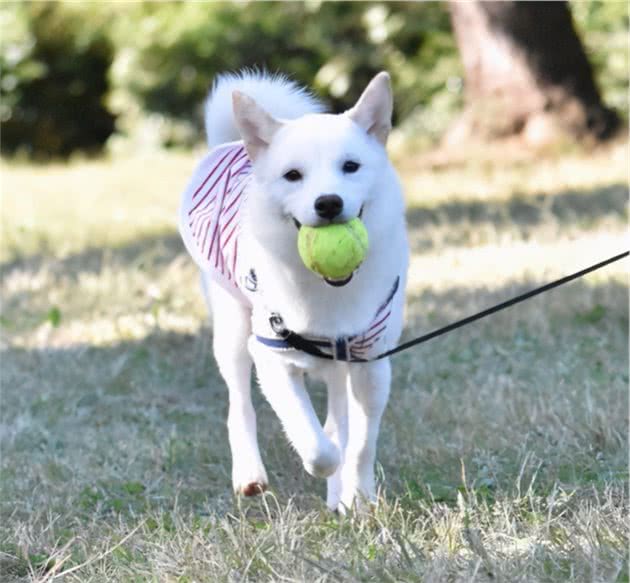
333	251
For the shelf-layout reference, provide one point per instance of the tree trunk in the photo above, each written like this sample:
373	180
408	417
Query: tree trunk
526	73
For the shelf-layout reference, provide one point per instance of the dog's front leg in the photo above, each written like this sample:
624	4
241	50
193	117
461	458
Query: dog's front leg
283	386
368	392
231	322
336	426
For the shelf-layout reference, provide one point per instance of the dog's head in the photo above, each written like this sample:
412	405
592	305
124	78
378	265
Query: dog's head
319	168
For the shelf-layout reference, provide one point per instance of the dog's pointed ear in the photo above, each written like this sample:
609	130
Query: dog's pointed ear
373	111
254	124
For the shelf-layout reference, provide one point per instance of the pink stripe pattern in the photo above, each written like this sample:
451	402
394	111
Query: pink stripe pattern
361	346
213	216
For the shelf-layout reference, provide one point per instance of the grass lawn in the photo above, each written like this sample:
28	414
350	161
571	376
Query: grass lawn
503	454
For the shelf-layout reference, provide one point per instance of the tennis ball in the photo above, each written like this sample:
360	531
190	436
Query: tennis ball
333	251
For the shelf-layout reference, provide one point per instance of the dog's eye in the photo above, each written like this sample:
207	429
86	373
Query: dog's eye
293	175
350	167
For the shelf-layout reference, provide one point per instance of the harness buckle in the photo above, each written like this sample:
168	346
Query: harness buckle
277	325
340	349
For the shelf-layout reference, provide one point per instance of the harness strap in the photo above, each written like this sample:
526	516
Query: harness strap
503	305
340	348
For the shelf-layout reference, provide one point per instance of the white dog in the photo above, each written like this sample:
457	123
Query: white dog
278	163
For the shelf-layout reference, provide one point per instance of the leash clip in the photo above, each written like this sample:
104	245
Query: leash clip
277	325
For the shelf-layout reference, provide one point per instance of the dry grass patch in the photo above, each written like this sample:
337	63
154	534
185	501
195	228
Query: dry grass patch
503	455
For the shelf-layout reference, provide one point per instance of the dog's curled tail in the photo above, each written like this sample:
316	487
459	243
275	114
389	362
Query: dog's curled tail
282	98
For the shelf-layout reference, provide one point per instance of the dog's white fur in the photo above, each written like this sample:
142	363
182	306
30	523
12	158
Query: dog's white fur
283	128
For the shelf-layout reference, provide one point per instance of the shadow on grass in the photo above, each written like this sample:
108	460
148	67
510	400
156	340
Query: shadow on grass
154	251
439	308
182	362
28	307
152	411
570	208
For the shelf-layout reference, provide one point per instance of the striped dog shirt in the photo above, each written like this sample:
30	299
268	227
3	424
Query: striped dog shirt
210	226
210	214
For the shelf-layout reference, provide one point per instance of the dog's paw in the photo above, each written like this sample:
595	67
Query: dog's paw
252	489
333	490
356	503
358	493
324	462
249	483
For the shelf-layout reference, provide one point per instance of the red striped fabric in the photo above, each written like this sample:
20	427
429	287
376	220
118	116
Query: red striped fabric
210	213
361	345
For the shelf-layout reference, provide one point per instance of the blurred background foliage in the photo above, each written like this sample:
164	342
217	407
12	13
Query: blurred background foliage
603	26
55	77
77	76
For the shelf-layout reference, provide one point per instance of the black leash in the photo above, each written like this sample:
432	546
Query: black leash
501	306
305	345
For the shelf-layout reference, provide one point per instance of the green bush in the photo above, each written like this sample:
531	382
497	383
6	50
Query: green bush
603	26
67	69
178	49
54	64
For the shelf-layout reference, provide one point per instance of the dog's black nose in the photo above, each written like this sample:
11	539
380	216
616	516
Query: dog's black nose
328	206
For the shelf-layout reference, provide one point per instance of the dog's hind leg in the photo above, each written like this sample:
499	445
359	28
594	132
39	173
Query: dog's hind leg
336	426
231	330
368	392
